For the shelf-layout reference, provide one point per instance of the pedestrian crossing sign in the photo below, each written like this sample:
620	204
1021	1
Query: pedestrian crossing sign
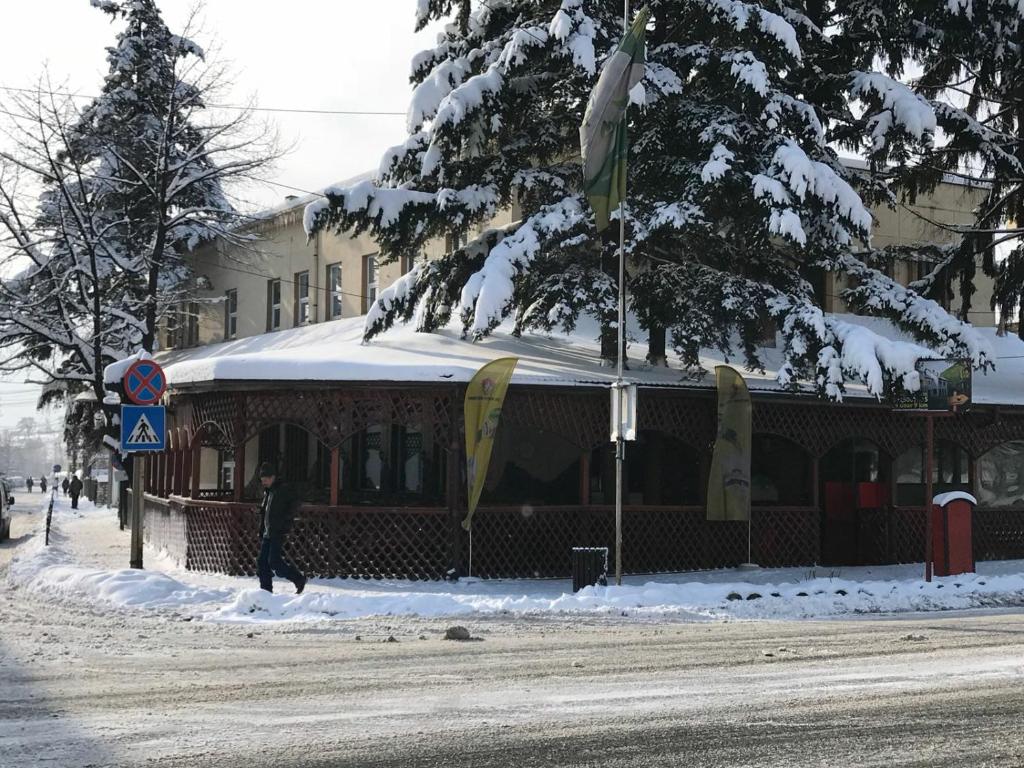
143	428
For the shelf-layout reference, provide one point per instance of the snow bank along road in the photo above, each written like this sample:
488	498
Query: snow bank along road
81	686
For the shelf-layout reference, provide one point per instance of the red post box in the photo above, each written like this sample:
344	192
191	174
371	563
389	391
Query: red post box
952	548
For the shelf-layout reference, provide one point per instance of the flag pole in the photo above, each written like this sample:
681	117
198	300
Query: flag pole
620	445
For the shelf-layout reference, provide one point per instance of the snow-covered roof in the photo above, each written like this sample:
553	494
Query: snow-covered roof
293	202
334	352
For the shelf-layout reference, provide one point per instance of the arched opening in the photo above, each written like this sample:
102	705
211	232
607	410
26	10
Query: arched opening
951	471
532	466
780	472
391	465
299	458
1000	476
855	492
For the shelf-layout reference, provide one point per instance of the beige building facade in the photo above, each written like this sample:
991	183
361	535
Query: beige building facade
283	279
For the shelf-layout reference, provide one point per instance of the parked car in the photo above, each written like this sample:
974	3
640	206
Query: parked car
6	502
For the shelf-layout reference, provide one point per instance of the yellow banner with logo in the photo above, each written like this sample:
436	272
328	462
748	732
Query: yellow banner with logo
729	482
484	398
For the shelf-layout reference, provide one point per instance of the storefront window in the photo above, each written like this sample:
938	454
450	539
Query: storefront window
951	472
1001	476
780	472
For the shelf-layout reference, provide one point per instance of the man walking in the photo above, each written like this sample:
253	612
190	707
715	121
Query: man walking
74	488
277	508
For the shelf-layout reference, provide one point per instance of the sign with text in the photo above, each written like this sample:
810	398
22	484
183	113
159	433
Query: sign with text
945	386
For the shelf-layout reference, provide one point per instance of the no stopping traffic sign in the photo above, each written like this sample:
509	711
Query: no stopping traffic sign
144	383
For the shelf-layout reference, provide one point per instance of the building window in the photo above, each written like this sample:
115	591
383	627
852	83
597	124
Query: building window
455	240
231	314
273	305
192	324
226	479
302	298
333	291
408	262
370	269
171	326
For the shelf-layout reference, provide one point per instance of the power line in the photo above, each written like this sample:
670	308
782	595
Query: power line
291	110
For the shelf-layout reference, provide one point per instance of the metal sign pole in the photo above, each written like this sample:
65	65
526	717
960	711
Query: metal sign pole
138	505
620	445
929	460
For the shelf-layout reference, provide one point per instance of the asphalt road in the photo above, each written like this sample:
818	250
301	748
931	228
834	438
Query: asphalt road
84	687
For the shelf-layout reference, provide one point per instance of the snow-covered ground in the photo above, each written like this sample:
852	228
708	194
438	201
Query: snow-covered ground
87	552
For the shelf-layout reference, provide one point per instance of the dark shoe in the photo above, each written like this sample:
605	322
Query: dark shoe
267	589
300	585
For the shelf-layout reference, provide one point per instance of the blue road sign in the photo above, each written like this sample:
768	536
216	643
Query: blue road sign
143	428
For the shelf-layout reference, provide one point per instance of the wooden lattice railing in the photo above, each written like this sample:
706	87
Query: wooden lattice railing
528	542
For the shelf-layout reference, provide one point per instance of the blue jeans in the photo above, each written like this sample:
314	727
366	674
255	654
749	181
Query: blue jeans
272	562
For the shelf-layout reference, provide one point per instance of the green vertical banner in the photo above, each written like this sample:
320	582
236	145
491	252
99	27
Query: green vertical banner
482	410
729	481
603	144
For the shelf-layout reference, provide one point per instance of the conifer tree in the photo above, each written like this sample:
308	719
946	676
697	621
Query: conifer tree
736	195
972	57
129	182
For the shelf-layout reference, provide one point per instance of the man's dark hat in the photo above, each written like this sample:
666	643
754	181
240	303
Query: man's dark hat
267	470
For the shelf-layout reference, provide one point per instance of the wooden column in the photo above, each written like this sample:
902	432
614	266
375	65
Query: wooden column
184	464
197	464
585	478
239	471
168	473
335	476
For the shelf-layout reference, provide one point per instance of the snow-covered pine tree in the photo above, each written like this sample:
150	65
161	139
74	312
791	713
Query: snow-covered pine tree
735	193
129	183
972	57
162	160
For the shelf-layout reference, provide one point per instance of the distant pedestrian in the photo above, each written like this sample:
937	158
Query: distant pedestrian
42	484
75	489
65	484
29	482
278	509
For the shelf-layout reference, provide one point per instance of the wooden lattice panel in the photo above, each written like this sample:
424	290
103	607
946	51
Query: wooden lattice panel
579	416
907	533
222	411
998	534
690	420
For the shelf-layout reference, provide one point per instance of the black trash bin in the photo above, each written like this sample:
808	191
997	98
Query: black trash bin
589	567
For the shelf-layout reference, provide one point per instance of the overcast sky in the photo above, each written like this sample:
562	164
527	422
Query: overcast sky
299	54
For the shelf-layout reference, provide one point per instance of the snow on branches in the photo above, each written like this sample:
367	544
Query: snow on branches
737	198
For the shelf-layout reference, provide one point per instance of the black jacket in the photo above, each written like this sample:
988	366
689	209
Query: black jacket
75	486
277	509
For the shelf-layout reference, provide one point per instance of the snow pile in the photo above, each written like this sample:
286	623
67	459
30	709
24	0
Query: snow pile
51	570
791	593
798	599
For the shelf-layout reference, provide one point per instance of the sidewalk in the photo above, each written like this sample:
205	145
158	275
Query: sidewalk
88	559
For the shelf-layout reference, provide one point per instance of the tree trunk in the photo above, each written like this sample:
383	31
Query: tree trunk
656	345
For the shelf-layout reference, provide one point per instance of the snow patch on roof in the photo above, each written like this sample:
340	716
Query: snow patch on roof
335	352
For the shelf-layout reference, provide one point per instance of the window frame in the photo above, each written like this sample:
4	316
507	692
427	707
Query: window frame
334	292
302	303
368	284
272	307
230	314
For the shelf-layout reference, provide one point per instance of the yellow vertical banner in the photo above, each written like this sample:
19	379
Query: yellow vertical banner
484	398
729	481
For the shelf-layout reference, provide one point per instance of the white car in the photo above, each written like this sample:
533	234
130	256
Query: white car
6	502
